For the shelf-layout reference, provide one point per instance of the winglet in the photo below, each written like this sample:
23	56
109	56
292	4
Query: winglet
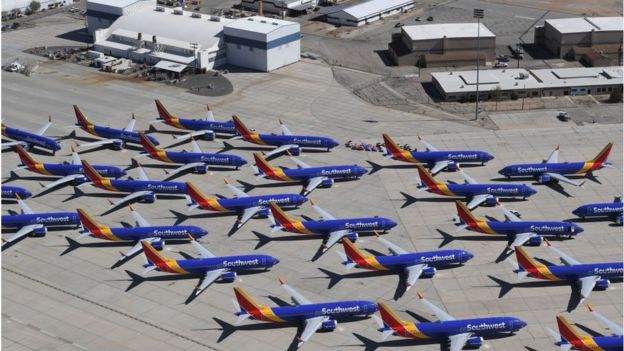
376	233
589	307
419	138
418	293
73	149
133	115
582	185
131	208
191	237
281	280
49	118
280	121
17	197
557	147
312	202
225	181
547	242
207	107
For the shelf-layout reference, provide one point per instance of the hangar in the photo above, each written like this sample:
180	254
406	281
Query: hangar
364	13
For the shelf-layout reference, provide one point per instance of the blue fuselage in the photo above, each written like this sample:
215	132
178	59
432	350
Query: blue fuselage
496	190
300	140
604	270
162	232
352	171
241	203
609	343
47	219
156	187
231	263
207	158
69	169
113	133
460	156
332	310
199	124
31	138
608	209
537	169
9	192
357	225
477	326
540	228
432	258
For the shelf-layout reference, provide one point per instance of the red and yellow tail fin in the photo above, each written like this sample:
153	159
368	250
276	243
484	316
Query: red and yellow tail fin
426	177
465	215
245	301
525	261
280	216
162	111
263	165
391	146
241	128
148	145
91	173
353	252
389	317
25	157
570	334
603	155
196	194
82	120
153	256
89	223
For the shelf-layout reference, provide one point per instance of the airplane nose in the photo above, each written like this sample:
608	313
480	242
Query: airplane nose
490	157
521	323
467	256
275	261
242	162
578	229
576	212
503	171
392	224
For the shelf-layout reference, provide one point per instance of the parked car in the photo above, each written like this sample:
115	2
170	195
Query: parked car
563	116
430	18
417	19
501	65
502	58
398	25
74	9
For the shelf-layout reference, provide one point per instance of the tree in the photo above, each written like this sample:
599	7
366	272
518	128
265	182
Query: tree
35	6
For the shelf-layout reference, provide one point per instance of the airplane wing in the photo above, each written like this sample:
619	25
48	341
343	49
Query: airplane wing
75	157
13	143
565	258
299	163
615	329
248	213
209	278
395	249
427	145
508	214
280	149
311	326
285	130
43	129
24	206
100	142
141	175
236	191
195	147
438	166
140	221
313	183
334	237
203	252
477	200
321	212
439	313
23	231
413	273
65	179
588	284
130	126
295	295
458	341
183	168
564	179
520	239
193	134
129	197
136	248
467	178
554	156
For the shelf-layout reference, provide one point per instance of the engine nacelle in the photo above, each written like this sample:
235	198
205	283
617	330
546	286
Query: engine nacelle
602	284
327	183
329	325
452	166
619	220
428	272
295	150
228	277
474	343
39	232
535	241
158	244
79	180
209	135
544	178
202	169
118	145
352	236
490	201
149	198
263	212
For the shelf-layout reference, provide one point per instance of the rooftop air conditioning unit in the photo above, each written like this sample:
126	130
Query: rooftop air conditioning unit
274	23
160	9
215	18
523	75
196	15
263	21
177	12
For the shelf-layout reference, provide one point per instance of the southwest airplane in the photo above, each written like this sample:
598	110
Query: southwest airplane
612	210
68	172
207	127
208	265
314	316
413	264
312	177
589	276
144	231
196	159
459	333
247	206
143	188
569	337
116	137
28	139
475	193
553	170
285	142
331	228
435	159
520	231
10	192
36	223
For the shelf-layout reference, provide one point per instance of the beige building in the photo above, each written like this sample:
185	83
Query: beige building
436	45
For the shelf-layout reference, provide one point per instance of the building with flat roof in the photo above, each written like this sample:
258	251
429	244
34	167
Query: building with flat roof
102	13
448	44
281	7
510	83
561	36
365	12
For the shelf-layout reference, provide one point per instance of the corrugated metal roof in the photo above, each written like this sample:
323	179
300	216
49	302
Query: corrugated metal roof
587	24
450	30
366	9
259	24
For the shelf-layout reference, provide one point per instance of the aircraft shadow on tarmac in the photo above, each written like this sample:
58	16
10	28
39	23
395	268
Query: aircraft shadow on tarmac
7	245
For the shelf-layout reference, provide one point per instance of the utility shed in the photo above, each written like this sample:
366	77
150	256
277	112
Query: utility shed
262	43
365	12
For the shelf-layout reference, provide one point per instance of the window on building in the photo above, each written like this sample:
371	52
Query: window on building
535	93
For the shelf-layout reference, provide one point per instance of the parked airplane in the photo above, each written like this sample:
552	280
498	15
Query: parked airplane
196	159
518	231
247	206
144	231
553	170
589	276
28	139
331	228
69	172
208	265
569	337
314	316
36	223
312	177
459	333
611	210
475	193
116	137
9	192
435	159
413	264
201	127
143	188
285	142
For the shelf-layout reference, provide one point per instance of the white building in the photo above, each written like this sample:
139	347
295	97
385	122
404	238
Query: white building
102	13
262	43
363	13
280	7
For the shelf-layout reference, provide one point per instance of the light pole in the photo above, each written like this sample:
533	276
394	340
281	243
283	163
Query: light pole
478	14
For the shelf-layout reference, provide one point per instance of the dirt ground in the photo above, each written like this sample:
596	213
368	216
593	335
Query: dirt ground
576	7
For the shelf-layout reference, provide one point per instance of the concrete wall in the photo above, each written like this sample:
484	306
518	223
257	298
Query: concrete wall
561	45
344	19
